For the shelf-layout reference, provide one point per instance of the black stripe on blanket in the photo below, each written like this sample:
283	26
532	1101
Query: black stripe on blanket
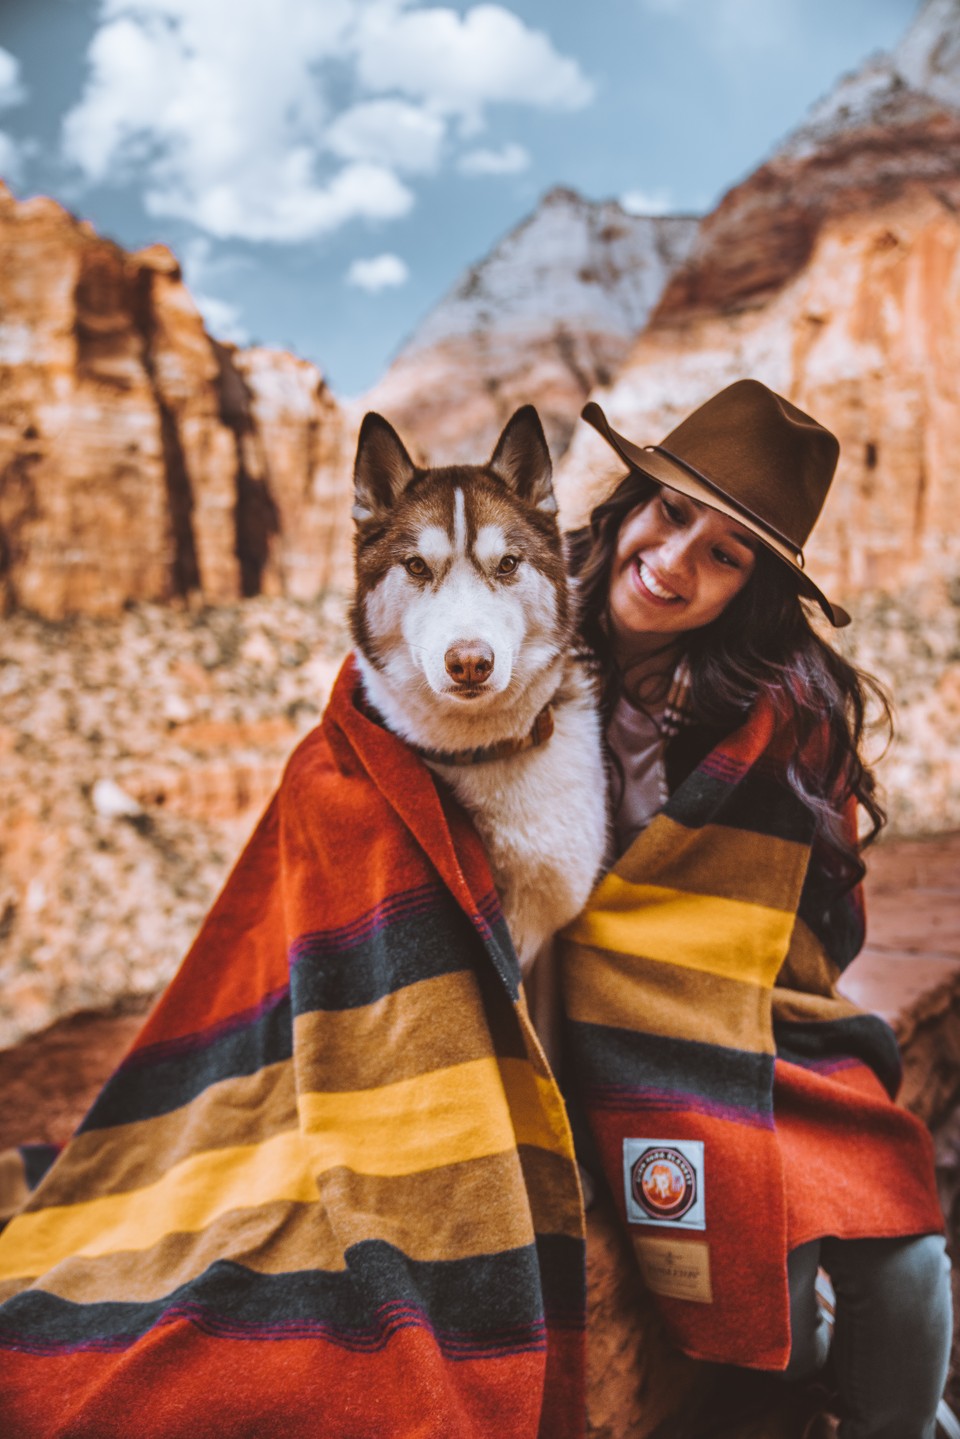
756	802
620	1066
819	1044
156	1082
36	1160
388	950
831	915
418	936
494	1303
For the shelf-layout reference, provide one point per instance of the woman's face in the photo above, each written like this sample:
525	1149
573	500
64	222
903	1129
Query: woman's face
676	567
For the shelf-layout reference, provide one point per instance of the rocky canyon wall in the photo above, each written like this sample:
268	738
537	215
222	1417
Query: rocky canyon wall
864	337
832	273
139	459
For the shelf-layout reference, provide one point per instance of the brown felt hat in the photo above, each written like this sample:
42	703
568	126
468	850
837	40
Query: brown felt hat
750	454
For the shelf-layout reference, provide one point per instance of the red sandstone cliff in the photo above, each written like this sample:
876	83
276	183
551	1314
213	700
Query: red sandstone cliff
139	459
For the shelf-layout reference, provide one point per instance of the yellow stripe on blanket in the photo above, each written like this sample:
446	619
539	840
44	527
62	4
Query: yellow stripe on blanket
727	937
189	1197
444	1117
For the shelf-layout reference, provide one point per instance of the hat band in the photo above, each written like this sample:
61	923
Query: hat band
764	525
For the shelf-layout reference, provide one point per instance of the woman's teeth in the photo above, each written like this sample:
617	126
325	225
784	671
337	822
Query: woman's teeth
653	584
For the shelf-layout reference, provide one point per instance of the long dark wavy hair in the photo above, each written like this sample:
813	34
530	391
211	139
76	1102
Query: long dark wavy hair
762	645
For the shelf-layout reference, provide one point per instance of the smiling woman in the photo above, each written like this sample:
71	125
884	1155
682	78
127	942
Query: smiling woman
709	1037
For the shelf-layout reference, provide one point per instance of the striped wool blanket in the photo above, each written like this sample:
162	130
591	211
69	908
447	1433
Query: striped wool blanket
331	1189
740	1105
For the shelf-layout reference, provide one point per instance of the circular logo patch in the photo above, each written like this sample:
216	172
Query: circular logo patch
664	1183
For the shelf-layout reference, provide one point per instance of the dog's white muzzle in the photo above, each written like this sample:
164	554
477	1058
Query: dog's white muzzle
465	636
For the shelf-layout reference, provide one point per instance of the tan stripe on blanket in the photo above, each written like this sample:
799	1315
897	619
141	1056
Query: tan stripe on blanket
719	860
237	1111
645	995
413	1031
14	1190
446	1117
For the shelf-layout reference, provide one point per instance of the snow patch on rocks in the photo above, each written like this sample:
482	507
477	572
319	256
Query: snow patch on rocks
591	264
549	314
923	68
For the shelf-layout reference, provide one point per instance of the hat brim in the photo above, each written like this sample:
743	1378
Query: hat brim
666	471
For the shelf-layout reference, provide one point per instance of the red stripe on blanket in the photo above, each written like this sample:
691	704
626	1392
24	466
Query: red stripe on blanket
838	1132
206	1387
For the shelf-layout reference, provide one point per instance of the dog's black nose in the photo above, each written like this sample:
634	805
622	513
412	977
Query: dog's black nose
469	663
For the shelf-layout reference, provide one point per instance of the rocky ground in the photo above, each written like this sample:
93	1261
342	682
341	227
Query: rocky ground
135	756
910	640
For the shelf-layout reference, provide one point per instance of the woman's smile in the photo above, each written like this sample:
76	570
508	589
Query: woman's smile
652	587
677	565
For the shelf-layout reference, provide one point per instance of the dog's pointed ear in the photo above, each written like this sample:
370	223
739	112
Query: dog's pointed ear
522	460
382	469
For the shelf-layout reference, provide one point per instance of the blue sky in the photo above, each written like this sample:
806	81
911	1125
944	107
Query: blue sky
326	169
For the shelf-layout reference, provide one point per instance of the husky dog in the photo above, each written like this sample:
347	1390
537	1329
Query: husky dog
463	622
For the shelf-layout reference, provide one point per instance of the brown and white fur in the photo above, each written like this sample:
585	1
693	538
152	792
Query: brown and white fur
463	622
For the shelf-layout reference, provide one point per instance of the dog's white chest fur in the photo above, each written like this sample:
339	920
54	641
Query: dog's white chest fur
542	818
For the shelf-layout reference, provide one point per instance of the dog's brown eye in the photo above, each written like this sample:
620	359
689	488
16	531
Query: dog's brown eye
417	567
508	564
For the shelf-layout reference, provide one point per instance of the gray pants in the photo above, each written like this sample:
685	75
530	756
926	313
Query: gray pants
891	1344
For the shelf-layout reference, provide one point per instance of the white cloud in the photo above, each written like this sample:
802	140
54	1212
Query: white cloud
510	159
648	202
462	63
382	272
286	121
393	132
287	204
217	106
12	91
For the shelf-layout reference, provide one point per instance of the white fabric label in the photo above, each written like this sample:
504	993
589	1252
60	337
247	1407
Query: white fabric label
664	1183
